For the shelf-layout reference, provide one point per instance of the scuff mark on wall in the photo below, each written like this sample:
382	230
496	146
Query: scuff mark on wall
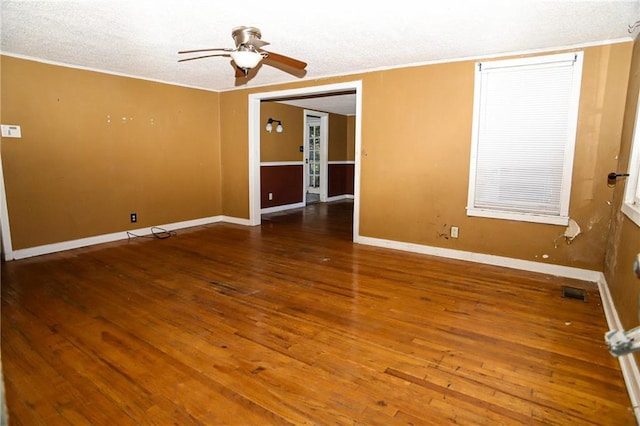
443	234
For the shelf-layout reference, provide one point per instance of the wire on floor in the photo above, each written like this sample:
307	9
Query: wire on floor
156	233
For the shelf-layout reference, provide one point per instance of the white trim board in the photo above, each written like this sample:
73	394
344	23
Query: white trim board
628	363
282	207
116	236
340	198
255	126
507	262
281	163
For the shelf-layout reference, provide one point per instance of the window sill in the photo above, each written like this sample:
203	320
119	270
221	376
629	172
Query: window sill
632	212
520	217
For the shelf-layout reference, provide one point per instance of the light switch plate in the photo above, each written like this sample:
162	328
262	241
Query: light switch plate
10	131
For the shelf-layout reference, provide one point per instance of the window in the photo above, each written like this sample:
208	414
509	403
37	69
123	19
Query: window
524	129
631	202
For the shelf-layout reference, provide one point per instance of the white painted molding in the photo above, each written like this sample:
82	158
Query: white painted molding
116	236
235	220
283	207
628	363
340	197
281	163
527	265
5	229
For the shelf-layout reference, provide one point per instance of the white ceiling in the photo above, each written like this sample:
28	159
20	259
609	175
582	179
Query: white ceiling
141	38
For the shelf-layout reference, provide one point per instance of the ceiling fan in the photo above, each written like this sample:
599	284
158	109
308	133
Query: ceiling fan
248	54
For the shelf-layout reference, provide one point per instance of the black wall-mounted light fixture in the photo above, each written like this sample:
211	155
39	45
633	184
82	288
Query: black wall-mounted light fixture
269	126
611	178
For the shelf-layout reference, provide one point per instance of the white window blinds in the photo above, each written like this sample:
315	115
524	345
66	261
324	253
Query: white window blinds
525	116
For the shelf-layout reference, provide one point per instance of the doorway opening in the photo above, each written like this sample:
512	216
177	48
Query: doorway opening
254	141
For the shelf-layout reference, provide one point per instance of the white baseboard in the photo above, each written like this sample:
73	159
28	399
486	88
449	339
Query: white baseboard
340	197
116	236
527	265
235	220
628	364
282	208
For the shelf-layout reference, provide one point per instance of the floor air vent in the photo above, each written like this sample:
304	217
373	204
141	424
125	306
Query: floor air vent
574	293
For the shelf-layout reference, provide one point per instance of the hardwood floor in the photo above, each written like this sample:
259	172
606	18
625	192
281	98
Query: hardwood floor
291	323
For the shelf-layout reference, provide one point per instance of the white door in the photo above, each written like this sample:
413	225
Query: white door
313	155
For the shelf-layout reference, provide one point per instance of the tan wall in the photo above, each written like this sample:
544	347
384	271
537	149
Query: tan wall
431	112
283	146
337	137
96	147
414	175
234	152
624	241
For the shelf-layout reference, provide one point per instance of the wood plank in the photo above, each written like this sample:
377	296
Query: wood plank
292	323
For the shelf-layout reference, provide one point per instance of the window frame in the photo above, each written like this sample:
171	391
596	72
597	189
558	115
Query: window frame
562	218
631	198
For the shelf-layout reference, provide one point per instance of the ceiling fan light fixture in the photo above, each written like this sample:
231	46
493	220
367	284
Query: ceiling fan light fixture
246	59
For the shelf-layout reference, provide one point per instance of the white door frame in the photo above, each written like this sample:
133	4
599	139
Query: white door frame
254	123
324	152
5	230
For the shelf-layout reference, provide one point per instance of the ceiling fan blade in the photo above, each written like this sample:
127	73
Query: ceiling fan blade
224	49
239	71
285	60
205	56
257	43
296	72
241	77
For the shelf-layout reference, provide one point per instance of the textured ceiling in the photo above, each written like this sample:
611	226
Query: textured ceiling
141	38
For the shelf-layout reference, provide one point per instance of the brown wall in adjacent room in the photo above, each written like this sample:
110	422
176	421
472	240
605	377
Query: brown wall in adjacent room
96	147
340	179
283	182
624	240
414	173
340	175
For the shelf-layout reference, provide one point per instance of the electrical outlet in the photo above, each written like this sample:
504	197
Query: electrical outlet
134	217
454	232
270	196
